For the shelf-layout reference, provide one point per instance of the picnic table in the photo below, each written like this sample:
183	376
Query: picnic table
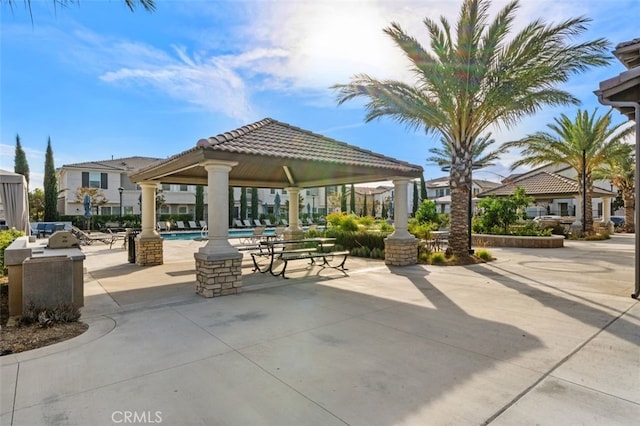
271	251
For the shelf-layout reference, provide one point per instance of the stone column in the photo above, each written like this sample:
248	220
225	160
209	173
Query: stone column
606	215
576	226
218	263
149	242
401	248
294	230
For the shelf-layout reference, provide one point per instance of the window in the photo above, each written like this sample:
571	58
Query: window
94	180
166	187
184	188
164	209
127	209
108	210
182	209
272	191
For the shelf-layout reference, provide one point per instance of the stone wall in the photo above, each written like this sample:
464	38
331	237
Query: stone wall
484	240
400	252
149	252
218	277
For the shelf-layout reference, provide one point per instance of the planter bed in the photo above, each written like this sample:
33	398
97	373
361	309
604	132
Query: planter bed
486	240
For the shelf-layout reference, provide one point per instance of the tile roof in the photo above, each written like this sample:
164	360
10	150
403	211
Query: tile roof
543	184
126	164
273	138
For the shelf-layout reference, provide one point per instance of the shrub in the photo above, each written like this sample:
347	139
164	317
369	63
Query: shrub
427	212
421	230
437	258
484	254
6	238
62	313
366	221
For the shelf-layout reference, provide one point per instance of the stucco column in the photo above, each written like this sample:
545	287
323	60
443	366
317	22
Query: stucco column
294	230
148	245
400	248
401	212
576	226
218	220
218	263
149	210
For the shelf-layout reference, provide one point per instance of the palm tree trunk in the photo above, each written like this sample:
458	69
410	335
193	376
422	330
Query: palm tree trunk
628	197
589	206
460	181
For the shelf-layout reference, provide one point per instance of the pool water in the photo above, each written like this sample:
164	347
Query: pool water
233	233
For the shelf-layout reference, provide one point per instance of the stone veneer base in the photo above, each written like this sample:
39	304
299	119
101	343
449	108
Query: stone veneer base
400	252
149	251
218	275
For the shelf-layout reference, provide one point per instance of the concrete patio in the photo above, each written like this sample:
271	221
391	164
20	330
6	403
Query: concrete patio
539	336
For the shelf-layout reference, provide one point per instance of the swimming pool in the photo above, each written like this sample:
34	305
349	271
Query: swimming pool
233	233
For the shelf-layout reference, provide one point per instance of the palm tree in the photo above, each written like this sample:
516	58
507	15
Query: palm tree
620	170
584	143
474	78
442	156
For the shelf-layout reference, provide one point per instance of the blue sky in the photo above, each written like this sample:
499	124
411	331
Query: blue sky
103	82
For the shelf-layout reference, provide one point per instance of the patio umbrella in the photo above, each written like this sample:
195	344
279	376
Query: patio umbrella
276	208
87	206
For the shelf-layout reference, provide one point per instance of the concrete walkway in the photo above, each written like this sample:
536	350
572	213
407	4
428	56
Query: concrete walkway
539	336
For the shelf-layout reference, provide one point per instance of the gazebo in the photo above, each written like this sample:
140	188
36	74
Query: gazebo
265	154
623	93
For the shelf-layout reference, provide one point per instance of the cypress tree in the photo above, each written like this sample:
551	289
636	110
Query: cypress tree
50	186
343	199
352	203
243	203
415	198
20	163
364	206
373	206
232	204
423	189
199	202
254	203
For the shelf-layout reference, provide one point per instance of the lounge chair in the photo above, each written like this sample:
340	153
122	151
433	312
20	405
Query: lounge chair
247	223
268	222
238	223
257	222
180	225
203	224
192	224
162	226
88	239
284	222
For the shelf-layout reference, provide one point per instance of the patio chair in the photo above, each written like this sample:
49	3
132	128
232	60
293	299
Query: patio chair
203	224
284	222
255	237
257	222
180	225
279	231
267	222
247	223
162	226
193	225
238	223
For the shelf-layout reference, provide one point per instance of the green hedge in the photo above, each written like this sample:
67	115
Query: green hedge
6	238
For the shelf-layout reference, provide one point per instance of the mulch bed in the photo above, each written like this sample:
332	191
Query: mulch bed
16	337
